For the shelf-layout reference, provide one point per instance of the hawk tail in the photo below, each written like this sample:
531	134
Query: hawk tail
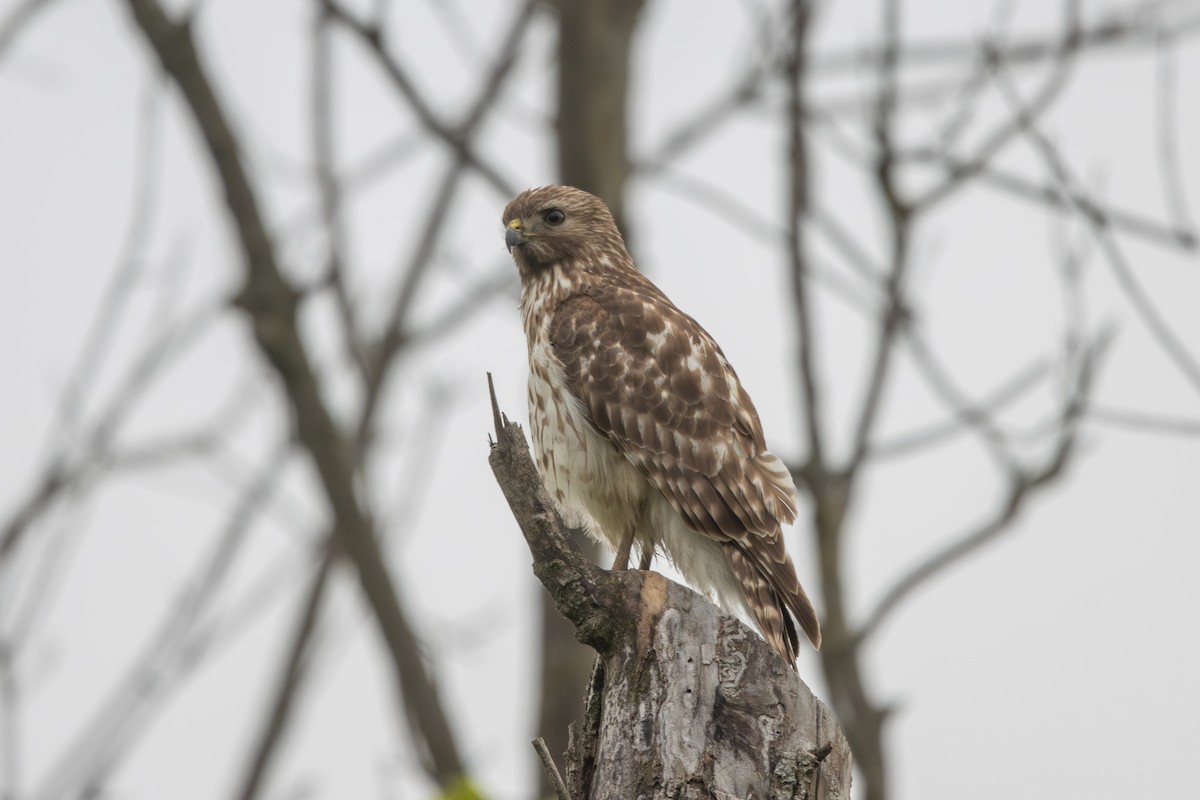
770	604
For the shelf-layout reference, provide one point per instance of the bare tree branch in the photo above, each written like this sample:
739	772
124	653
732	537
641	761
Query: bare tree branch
1065	199
734	212
65	470
110	733
10	722
897	211
798	208
271	304
457	138
582	592
705	123
1023	483
971	414
552	773
330	189
20	18
1170	165
1114	255
295	669
1011	390
396	332
1011	128
1123	28
1143	422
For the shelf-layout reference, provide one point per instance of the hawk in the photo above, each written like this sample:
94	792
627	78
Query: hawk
642	431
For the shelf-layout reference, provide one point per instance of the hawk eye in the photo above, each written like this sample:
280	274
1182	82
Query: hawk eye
555	216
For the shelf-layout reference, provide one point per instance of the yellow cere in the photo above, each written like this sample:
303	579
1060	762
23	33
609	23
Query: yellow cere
515	224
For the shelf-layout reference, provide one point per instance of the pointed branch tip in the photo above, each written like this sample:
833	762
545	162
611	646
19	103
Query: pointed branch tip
497	418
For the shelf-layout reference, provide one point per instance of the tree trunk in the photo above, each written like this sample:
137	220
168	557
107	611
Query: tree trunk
692	704
595	38
684	701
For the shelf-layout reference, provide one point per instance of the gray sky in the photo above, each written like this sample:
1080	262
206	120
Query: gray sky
1059	662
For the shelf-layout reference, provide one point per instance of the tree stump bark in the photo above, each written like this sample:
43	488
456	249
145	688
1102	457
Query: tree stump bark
684	701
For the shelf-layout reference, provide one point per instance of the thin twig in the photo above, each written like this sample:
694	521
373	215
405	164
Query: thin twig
292	674
1112	32
1067	199
1011	128
551	770
111	732
65	470
330	190
396	333
732	211
456	138
1144	422
897	212
1169	161
1011	390
1155	322
1023	483
972	415
704	123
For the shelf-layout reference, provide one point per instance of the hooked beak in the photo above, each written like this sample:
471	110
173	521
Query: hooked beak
514	238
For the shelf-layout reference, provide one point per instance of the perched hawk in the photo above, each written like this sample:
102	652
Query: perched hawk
641	429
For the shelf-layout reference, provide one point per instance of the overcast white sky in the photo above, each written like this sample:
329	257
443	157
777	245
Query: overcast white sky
1059	662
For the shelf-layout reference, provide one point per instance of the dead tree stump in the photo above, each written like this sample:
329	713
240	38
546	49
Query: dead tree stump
684	701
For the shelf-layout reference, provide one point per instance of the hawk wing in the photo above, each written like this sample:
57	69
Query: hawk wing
653	381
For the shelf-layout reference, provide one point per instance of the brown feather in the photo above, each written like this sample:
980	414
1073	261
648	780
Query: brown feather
651	382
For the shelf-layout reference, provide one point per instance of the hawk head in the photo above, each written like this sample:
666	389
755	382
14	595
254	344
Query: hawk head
559	224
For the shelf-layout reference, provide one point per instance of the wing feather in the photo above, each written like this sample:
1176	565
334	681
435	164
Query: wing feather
659	388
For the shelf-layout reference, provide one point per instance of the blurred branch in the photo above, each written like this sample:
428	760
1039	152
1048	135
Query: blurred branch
20	18
897	212
704	123
1023	483
73	489
1138	298
970	414
797	209
456	137
1011	390
395	334
746	90
1124	28
1011	127
1145	423
329	188
732	211
366	172
129	263
1170	164
1066	199
295	668
493	283
66	471
176	646
271	303
10	726
301	650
